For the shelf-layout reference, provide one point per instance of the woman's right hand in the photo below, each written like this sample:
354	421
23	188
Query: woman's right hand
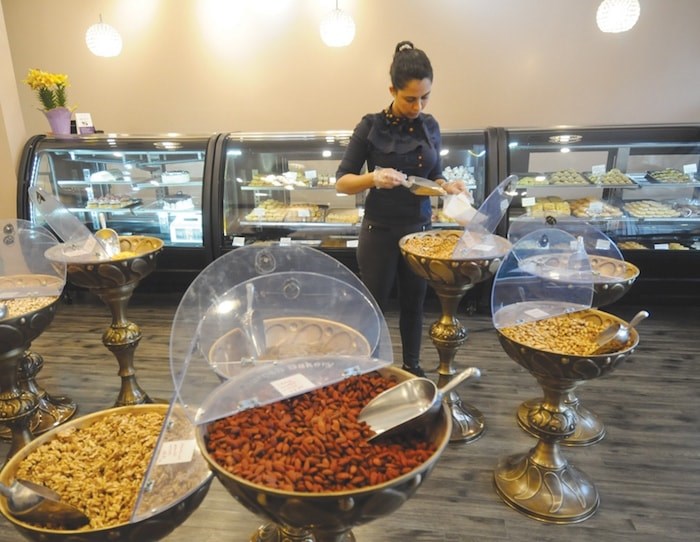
387	177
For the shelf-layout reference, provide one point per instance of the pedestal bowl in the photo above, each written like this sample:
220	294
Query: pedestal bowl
114	281
542	483
23	320
429	255
327	516
159	513
612	279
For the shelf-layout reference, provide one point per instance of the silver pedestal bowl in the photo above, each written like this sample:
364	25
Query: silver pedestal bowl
451	279
612	279
169	509
542	483
295	516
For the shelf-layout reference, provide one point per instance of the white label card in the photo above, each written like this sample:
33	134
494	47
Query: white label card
285	241
303	213
537	313
528	202
310	174
238	241
602	244
292	385
661	246
176	451
595	207
690	169
352	243
259	211
598	169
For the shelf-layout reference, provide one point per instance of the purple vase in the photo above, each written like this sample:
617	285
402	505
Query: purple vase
59	119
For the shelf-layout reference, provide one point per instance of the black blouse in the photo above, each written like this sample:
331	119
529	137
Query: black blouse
411	146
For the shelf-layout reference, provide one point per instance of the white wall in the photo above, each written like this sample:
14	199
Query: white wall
223	65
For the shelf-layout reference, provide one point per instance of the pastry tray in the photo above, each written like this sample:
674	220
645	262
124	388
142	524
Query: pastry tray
683	179
125	205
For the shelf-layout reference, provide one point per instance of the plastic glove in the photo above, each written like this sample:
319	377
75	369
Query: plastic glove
457	186
386	177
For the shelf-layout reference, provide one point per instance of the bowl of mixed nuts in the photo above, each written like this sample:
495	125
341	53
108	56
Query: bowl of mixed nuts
98	463
306	466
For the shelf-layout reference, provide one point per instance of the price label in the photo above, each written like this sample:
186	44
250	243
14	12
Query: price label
352	243
259	212
528	202
598	170
310	174
292	385
285	241
690	169
537	313
595	207
303	213
602	244
176	451
661	246
238	242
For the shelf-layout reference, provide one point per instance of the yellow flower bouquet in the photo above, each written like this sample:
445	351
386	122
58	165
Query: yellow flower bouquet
50	87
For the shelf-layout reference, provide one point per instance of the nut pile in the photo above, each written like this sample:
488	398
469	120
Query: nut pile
97	468
313	443
433	246
18	306
568	334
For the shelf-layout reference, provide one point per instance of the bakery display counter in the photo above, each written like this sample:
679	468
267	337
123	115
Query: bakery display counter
281	187
638	184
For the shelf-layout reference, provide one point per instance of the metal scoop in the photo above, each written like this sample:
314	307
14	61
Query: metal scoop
108	237
254	325
423	187
616	335
410	404
35	503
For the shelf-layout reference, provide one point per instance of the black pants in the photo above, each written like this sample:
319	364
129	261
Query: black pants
381	266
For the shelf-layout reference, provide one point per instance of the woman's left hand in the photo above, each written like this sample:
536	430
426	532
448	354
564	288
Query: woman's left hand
455	187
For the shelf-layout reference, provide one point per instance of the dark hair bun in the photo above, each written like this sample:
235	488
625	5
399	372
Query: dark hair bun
403	46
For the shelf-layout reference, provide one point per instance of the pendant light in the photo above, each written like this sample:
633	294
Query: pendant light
103	40
337	28
617	15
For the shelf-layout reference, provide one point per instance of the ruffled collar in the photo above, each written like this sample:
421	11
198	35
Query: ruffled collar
403	123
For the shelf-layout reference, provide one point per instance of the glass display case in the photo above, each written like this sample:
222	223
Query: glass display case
638	184
146	185
281	187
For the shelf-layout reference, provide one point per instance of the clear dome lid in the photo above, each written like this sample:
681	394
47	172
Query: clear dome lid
24	269
478	240
79	243
547	273
267	322
607	262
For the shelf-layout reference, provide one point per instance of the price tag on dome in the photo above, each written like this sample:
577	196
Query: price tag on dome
259	212
285	241
238	241
598	170
352	243
295	384
176	451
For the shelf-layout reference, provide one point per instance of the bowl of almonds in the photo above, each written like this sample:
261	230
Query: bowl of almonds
306	466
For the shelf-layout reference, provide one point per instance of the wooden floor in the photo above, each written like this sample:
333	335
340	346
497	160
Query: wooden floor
647	468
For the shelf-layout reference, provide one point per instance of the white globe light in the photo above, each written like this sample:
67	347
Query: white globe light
103	40
337	29
617	15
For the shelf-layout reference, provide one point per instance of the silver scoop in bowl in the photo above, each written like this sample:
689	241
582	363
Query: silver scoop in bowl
35	503
408	405
615	336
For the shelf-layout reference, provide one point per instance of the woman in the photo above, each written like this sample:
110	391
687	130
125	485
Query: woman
397	142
